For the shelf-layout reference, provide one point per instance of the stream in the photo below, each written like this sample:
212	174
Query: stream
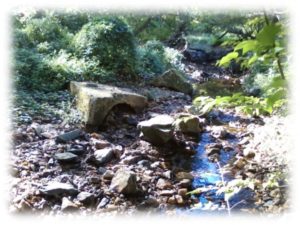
207	173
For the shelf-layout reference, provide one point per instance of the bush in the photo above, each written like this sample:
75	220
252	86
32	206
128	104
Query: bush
47	30
154	58
111	43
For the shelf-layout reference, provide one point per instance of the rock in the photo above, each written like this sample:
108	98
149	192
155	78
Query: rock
66	157
65	137
144	163
184	175
86	198
188	124
150	202
219	132
100	144
249	153
124	181
176	200
167	174
131	159
104	155
58	189
172	200
78	150
163	184
104	201
96	100
185	183
182	191
68	205
179	200
102	170
213	148
196	55
108	175
174	80
167	193
158	130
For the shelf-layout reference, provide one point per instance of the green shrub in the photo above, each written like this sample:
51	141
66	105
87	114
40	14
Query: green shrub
152	60
47	29
155	58
111	43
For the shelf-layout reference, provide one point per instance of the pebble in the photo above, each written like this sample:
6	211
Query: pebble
104	201
104	155
68	205
163	184
68	136
108	175
56	189
184	175
167	192
185	183
85	197
182	191
66	157
100	144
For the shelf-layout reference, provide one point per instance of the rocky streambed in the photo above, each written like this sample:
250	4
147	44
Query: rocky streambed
160	160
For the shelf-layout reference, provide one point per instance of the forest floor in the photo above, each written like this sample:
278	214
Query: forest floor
256	158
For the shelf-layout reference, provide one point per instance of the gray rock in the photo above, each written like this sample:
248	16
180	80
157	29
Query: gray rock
65	137
102	170
144	163
96	100
163	184
188	124
104	155
167	174
57	189
131	159
79	150
219	132
66	157
86	197
124	181
68	205
104	201
157	130
174	80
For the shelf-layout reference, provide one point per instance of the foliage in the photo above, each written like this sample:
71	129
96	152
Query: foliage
154	58
51	105
110	42
246	104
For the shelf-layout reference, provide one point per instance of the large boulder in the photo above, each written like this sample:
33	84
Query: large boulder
188	124
174	80
124	181
158	130
96	100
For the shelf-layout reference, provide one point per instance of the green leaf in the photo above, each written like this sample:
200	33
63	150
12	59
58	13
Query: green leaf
278	95
252	60
227	58
267	36
246	46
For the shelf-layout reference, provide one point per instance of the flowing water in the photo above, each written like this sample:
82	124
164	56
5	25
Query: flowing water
207	173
